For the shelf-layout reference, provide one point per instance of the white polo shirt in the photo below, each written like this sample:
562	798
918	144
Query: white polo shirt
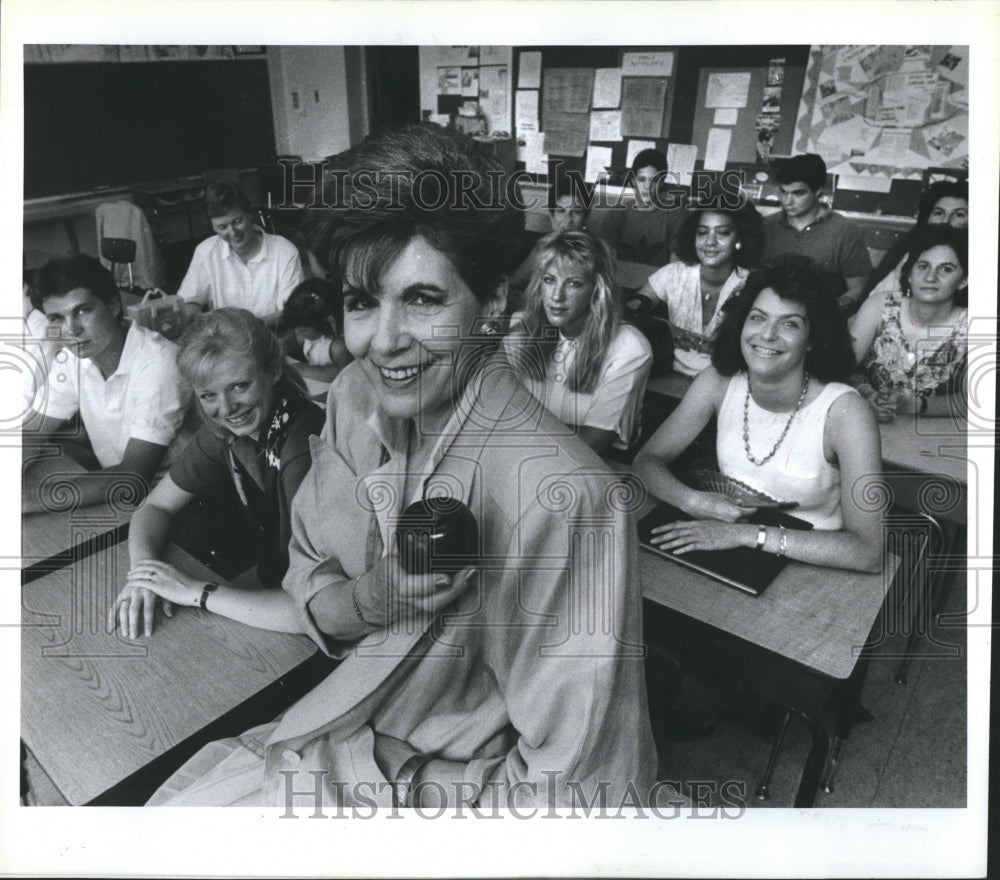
217	277
141	399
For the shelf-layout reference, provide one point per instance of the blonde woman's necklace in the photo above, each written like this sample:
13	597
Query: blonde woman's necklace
784	433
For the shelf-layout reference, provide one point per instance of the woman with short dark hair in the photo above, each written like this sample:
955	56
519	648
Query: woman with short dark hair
788	427
478	686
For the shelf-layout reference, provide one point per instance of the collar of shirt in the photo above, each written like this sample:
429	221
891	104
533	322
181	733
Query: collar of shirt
128	359
227	251
824	214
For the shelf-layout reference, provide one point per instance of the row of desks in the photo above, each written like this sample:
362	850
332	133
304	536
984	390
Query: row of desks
108	719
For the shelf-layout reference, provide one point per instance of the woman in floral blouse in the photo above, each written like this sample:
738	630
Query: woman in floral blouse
911	348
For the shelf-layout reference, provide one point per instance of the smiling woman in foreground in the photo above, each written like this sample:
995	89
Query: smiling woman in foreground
787	427
516	680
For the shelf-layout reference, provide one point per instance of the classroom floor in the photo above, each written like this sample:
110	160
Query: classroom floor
911	754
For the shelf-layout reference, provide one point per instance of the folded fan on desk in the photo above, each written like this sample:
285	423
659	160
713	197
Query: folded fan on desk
735	490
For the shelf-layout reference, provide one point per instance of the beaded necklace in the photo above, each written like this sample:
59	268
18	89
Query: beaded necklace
788	424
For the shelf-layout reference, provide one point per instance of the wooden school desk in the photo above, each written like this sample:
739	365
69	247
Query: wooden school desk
798	641
108	719
66	531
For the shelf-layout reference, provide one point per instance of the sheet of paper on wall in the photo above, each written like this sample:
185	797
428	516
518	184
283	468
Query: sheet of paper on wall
568	89
566	134
531	151
607	87
526	110
449	80
598	160
681	158
727	90
946	142
955	66
470	82
606	125
469	108
647	64
717	149
635	147
494	97
643	102
456	56
529	70
494	54
725	116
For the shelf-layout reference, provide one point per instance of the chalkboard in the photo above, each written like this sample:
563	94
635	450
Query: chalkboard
88	126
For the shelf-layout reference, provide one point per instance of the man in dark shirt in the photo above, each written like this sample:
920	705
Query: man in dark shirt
804	225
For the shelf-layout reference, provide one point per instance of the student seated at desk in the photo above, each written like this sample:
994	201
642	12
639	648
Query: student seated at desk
568	211
571	348
788	426
256	425
313	316
912	346
806	226
644	232
945	203
241	265
120	378
718	248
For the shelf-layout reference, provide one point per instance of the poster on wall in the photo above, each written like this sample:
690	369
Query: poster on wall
885	111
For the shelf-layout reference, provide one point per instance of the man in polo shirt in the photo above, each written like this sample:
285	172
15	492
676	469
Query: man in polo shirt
241	265
805	226
122	381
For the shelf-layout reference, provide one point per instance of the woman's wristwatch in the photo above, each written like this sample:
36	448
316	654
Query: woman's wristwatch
207	591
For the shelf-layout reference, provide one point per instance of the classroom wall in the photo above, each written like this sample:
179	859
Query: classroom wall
310	99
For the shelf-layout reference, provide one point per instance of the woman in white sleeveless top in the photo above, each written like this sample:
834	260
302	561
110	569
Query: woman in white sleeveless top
787	427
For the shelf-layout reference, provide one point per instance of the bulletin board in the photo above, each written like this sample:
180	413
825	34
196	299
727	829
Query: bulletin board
588	109
469	82
886	111
755	129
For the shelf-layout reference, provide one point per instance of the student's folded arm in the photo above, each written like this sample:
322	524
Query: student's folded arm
677	433
864	325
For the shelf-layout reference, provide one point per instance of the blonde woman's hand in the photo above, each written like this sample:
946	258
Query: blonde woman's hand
133	604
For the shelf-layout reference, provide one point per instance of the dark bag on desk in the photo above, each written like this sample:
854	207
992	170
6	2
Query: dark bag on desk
655	326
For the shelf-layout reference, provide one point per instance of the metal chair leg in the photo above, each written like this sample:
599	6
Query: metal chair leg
935	542
832	764
763	790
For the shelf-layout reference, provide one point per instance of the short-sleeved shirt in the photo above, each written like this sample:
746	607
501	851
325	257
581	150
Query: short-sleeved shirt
831	240
266	479
616	400
679	286
217	277
644	235
141	399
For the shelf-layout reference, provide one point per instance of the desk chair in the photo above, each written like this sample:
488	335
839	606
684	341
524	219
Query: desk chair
120	251
913	538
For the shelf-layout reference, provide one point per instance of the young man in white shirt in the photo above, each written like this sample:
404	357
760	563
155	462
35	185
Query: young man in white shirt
241	265
121	380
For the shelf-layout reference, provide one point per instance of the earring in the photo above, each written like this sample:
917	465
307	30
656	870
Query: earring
739	244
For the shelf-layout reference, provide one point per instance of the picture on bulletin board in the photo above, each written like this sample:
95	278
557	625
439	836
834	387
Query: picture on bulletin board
886	111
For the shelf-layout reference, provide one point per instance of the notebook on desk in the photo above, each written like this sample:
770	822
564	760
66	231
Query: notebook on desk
743	568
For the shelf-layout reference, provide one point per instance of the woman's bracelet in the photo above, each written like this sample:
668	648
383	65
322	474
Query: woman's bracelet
402	787
357	605
783	545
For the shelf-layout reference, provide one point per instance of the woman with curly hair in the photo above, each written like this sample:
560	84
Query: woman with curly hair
718	248
788	427
571	348
911	346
